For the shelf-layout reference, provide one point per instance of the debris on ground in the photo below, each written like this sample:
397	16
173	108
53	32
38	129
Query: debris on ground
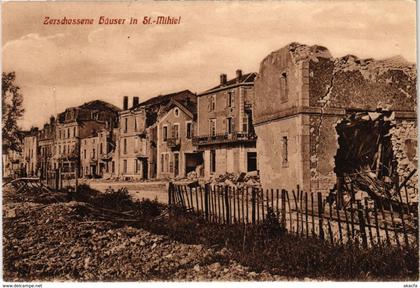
88	241
241	180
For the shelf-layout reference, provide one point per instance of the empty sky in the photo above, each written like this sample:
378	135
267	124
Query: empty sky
61	66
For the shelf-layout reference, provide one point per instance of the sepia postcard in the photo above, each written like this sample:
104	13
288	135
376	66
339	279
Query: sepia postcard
260	142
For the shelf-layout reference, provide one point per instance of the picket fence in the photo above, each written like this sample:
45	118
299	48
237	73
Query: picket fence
363	222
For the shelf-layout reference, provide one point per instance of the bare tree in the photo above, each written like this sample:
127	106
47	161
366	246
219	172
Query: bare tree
12	111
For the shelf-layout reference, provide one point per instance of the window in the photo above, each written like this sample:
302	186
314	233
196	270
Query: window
101	149
230	99
284	89
125	145
212	127
162	163
68	132
167	162
212	161
165	133
136	166
113	167
93	153
125	124
245	124
189	130
176	112
175	131
135	123
285	152
74	131
212	102
59	149
125	166
229	125
84	154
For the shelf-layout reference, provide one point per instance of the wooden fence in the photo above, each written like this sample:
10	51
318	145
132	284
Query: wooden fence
364	222
57	180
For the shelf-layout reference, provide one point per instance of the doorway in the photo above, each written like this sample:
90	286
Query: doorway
251	161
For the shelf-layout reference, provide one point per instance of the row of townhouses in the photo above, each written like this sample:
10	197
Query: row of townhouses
319	120
167	136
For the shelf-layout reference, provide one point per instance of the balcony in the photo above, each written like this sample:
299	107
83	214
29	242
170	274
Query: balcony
173	143
224	138
106	156
140	154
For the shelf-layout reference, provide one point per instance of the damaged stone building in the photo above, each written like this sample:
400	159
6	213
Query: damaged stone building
225	133
46	146
30	153
323	122
136	153
78	123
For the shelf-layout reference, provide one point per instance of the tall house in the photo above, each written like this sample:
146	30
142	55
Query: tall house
46	147
225	133
77	123
30	153
136	155
320	119
89	156
176	153
13	160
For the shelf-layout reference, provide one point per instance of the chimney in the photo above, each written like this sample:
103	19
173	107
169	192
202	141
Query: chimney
223	79
135	101
238	75
125	103
52	120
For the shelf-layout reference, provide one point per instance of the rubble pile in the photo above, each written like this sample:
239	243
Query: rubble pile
68	241
250	179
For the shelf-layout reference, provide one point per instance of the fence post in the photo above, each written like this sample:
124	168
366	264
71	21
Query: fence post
206	200
170	193
253	205
283	208
362	223
227	205
76	176
320	215
57	179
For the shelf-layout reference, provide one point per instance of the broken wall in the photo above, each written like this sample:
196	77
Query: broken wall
351	84
323	90
404	143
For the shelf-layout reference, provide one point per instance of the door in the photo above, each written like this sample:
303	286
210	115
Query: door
145	169
252	161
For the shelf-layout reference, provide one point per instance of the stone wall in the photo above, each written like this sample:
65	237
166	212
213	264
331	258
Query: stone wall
323	90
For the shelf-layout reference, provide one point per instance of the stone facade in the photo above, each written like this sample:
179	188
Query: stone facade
132	144
176	154
89	156
225	132
30	153
302	93
46	147
79	123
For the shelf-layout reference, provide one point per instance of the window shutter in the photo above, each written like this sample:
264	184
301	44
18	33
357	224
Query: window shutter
233	124
233	98
208	103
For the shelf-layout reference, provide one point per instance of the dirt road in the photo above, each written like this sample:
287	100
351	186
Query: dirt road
138	190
